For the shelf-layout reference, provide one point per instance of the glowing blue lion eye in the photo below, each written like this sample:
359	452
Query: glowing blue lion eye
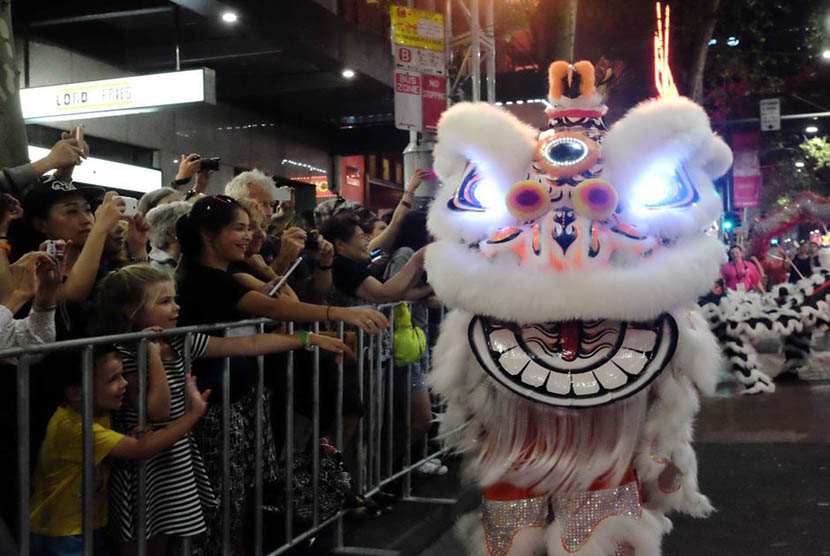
467	196
666	191
655	190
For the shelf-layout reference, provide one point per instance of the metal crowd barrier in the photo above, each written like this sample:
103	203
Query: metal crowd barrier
369	477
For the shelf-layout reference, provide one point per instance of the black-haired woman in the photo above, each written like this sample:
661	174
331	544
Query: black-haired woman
212	236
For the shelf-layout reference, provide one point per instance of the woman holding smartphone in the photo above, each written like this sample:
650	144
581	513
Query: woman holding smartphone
213	236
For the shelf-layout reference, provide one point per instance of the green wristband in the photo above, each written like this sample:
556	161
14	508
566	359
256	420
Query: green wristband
304	338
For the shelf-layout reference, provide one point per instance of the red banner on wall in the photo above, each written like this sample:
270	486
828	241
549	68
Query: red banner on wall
746	170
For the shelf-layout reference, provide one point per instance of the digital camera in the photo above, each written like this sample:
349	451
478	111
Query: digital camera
211	163
312	240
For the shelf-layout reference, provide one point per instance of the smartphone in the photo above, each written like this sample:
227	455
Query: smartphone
130	205
285	276
131	208
283	194
375	254
429	174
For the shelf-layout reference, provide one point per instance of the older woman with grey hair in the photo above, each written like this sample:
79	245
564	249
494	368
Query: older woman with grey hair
164	245
158	197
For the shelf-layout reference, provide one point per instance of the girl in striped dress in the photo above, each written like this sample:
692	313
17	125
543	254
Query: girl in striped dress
140	297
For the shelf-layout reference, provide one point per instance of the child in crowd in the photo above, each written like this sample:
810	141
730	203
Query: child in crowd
141	297
56	516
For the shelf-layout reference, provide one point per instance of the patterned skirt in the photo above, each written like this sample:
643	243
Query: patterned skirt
208	433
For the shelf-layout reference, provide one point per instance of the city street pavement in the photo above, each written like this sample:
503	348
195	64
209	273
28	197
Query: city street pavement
765	464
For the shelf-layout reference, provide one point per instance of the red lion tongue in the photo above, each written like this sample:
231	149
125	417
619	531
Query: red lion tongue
569	339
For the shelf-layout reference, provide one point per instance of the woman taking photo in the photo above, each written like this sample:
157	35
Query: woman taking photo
213	236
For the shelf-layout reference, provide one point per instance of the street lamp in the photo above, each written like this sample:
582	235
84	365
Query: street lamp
811	129
826	54
348	73
230	17
799	164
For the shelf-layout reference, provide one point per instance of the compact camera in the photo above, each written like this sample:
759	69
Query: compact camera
312	240
55	250
210	163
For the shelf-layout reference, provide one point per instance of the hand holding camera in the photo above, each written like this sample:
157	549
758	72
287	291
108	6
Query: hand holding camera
320	250
130	205
109	212
292	243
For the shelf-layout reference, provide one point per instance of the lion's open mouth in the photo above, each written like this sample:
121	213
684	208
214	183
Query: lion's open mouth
574	363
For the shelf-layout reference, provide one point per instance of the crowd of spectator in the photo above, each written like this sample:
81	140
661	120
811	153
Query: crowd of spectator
746	274
76	262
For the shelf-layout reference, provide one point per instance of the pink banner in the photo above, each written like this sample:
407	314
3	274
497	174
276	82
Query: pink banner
746	170
746	191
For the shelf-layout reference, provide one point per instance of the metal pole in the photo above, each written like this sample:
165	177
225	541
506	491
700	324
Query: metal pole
425	369
370	456
475	59
378	409
407	479
142	464
226	452
289	443
260	419
88	457
359	435
448	53
315	439
338	533
490	33
187	547
390	411
23	427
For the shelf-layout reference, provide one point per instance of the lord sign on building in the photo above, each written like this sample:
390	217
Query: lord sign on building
117	96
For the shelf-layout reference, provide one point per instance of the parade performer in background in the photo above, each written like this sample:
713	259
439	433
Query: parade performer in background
791	312
723	306
572	359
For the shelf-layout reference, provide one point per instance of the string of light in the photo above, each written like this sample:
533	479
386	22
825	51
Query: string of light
290	162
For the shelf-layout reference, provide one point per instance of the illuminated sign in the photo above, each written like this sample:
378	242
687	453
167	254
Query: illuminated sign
418	28
321	185
112	97
106	173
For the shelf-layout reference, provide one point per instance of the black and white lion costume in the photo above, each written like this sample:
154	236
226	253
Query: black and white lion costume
573	356
791	312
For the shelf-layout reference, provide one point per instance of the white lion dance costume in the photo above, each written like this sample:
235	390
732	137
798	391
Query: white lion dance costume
572	359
